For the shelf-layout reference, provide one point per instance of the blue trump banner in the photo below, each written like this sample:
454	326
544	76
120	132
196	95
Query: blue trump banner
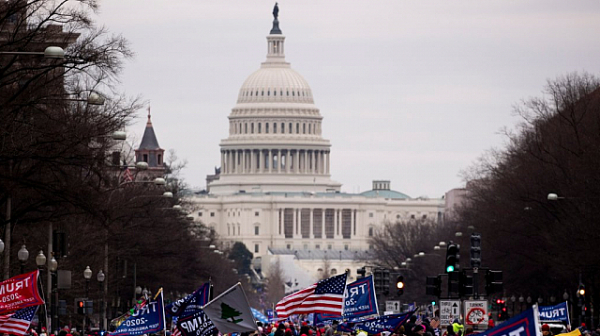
196	324
377	325
559	312
524	324
259	316
191	303
148	319
359	298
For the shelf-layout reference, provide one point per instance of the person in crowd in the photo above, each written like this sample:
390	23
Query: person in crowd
410	325
450	331
546	330
288	332
458	328
418	330
304	328
469	331
280	330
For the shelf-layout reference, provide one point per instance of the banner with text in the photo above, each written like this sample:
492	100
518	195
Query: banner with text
191	303
559	312
197	324
148	319
19	292
377	325
524	324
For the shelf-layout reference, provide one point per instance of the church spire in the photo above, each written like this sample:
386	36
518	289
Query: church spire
149	122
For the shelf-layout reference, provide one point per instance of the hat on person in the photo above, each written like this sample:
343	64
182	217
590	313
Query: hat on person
545	327
418	328
304	323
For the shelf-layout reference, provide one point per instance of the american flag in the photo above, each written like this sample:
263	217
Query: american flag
326	296
175	330
127	176
18	322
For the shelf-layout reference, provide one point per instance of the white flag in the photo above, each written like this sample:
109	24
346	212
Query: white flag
230	311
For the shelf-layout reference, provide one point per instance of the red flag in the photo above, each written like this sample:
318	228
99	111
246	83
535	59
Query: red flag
19	292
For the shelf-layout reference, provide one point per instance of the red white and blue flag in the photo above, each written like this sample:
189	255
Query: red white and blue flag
18	322
326	296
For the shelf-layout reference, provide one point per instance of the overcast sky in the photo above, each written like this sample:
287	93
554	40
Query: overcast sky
410	91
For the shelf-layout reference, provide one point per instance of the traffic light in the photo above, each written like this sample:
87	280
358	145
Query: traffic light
493	282
89	307
452	258
381	278
434	286
465	284
475	250
400	285
454	284
361	273
80	304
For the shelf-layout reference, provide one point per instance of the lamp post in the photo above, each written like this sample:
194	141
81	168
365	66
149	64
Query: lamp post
87	275
23	255
52	267
100	277
40	260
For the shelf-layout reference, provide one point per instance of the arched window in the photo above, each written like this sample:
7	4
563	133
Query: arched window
297	128
267	128
274	92
259	128
290	128
246	128
303	128
228	230
252	128
256	230
282	128
370	231
275	128
269	93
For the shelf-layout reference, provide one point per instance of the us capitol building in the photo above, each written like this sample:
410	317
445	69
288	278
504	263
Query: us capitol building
274	190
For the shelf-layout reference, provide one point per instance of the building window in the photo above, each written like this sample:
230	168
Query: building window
329	247
256	213
267	128
255	248
397	216
370	246
212	214
305	246
320	270
424	216
303	128
412	216
297	128
346	247
370	231
256	230
282	128
159	158
145	159
200	214
275	128
290	128
288	246
246	128
252	128
317	247
259	128
333	271
370	215
228	230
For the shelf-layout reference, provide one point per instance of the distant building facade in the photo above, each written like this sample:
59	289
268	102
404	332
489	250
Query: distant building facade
274	190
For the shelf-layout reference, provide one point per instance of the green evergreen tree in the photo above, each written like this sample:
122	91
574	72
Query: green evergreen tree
229	312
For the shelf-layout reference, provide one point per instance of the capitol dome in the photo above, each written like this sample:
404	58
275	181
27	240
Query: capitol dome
275	82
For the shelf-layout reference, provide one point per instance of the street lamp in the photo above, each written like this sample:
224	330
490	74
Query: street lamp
23	255
442	244
87	275
40	260
100	277
52	267
554	197
1	246
565	296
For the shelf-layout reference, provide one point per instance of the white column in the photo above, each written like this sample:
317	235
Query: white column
270	161
288	160
310	223
328	166
235	163
352	227
222	162
260	161
244	161
278	160
306	162
229	162
297	164
313	163
252	163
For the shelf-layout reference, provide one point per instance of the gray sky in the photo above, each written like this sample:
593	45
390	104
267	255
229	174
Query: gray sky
410	91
